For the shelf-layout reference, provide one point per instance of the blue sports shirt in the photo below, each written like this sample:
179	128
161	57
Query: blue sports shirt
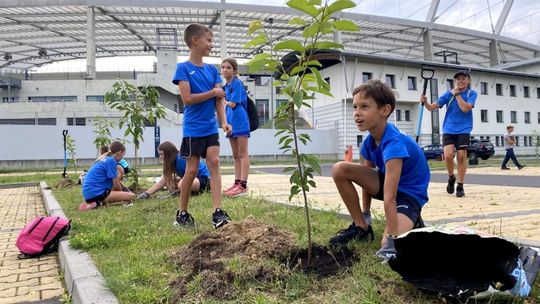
455	121
99	177
237	117
199	119
180	165
394	144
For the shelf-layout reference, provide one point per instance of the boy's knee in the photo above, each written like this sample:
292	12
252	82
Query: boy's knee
212	162
338	168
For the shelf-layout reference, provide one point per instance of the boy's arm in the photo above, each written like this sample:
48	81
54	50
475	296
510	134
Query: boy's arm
220	109
191	99
427	105
117	186
391	181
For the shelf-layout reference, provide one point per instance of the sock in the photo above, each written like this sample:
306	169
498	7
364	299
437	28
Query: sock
460	185
236	181
243	184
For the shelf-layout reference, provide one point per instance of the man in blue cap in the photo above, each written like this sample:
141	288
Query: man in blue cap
457	127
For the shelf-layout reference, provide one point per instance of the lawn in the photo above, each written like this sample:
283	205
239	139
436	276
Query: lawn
133	249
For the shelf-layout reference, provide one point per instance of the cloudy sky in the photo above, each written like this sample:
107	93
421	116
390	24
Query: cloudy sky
523	22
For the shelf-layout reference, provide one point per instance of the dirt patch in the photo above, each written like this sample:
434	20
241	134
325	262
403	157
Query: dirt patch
216	264
325	260
66	182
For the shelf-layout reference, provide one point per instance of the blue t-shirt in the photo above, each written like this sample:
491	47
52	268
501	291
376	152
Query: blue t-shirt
99	177
180	165
199	119
394	144
237	117
455	121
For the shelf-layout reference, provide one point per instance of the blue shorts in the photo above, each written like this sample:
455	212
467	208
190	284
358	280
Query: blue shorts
406	205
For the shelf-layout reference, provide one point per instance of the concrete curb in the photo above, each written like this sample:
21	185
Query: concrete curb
81	276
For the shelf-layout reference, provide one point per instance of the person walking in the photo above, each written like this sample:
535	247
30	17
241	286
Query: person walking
509	143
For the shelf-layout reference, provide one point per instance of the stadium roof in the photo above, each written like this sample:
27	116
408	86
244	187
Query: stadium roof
38	32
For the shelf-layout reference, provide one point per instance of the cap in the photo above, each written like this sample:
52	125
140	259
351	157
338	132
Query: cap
462	72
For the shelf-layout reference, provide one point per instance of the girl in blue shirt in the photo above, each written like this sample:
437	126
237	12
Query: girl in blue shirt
236	110
102	184
174	168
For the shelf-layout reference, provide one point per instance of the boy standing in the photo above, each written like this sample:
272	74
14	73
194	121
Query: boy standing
200	88
395	171
509	143
457	127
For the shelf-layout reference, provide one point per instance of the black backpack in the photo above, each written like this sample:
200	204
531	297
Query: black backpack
252	115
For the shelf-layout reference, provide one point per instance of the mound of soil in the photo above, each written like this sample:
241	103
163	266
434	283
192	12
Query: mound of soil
66	182
241	252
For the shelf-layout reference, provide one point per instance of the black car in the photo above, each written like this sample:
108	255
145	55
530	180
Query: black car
480	148
433	152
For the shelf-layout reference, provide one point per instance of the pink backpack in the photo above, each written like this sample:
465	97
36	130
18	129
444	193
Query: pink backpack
41	236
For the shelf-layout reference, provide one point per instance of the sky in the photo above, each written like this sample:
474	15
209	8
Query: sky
523	23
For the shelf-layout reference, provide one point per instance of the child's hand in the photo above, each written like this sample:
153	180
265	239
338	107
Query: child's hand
423	99
218	92
456	91
227	129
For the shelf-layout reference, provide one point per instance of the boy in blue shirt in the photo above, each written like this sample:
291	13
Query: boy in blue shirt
457	127
200	88
395	171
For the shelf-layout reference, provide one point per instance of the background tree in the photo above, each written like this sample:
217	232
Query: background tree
102	130
139	105
300	82
71	150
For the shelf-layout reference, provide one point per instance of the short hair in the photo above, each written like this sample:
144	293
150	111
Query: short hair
378	91
509	127
195	30
232	62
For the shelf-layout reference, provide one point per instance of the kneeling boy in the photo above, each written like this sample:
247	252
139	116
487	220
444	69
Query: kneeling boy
395	171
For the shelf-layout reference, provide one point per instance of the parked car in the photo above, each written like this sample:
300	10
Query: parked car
433	152
480	148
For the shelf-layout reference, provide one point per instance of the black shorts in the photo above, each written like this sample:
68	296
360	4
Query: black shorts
460	141
196	146
405	204
204	185
100	198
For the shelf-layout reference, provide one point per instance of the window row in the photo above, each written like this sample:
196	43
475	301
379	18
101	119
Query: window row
527	141
512	91
513	116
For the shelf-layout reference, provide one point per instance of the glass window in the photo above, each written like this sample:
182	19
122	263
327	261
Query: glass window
390	81
527	117
517	140
498	89
484	115
497	141
47	121
538	117
538	93
483	88
449	84
95	98
500	116
407	115
262	110
512	89
513	116
526	92
366	76
398	115
411	83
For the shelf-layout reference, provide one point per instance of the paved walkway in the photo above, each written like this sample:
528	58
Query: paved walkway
28	280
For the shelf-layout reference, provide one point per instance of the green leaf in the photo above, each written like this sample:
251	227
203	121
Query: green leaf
311	30
254	26
294	45
313	63
298	98
314	163
325	45
288	169
296	70
297	21
345	25
303	6
258	40
339	5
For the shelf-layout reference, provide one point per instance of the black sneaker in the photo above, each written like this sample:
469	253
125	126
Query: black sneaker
220	218
460	192
451	184
184	219
505	168
353	232
521	167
